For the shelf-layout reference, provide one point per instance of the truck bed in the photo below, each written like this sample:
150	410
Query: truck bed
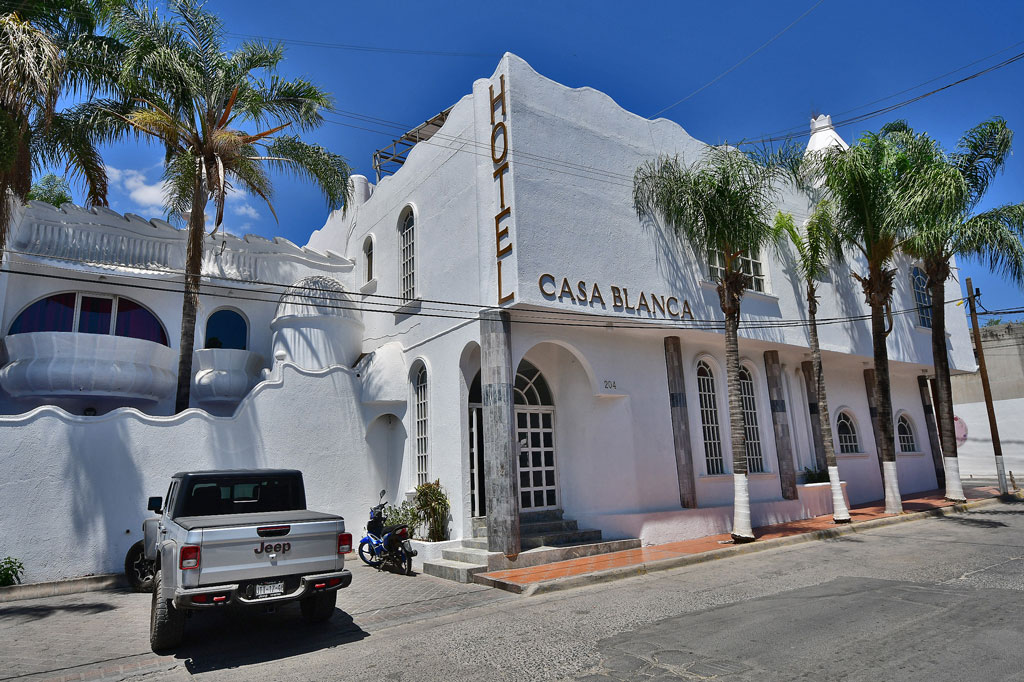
260	518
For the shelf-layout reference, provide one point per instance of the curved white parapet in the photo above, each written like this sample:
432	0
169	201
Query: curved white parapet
68	364
317	325
224	375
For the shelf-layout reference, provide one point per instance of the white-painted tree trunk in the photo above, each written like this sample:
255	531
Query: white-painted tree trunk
741	530
954	489
893	503
1001	473
840	512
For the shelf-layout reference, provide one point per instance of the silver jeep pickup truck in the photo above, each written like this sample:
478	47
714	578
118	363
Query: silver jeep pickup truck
240	538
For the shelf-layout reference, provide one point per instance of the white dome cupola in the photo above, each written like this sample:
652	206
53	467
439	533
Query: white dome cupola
317	325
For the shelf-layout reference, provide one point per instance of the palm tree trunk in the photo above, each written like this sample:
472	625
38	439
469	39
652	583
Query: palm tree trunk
943	385
730	291
840	512
883	399
193	273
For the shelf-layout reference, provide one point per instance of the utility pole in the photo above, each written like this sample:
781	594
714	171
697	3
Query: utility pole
993	427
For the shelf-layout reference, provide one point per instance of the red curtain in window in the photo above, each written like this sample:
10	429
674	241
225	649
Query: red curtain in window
135	321
51	314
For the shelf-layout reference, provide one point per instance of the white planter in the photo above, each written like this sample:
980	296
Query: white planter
224	375
68	364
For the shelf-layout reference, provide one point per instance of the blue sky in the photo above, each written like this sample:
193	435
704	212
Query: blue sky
646	56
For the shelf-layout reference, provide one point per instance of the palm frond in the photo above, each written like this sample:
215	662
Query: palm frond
328	170
981	154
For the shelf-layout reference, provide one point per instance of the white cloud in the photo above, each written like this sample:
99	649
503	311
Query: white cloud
246	210
147	197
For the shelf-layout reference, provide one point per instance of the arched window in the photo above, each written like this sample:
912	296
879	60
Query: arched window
531	387
847	432
227	329
422	437
905	434
922	297
407	241
709	419
90	314
368	256
755	459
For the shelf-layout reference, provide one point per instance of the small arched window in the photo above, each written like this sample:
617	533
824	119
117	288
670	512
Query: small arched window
905	434
714	462
419	385
755	459
846	430
90	314
922	297
407	255
227	329
368	256
531	387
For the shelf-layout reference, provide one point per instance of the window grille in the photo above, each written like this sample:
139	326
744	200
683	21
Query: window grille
407	233
922	297
755	459
847	432
422	442
709	419
905	434
368	257
751	267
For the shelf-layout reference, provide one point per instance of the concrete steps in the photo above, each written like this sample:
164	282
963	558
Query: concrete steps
545	537
457	571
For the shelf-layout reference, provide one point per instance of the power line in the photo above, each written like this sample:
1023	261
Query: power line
525	316
739	63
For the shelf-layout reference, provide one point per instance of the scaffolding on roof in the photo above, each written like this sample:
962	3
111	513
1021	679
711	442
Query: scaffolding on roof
388	160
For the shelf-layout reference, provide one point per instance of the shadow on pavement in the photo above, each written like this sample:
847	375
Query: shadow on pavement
43	610
973	522
229	639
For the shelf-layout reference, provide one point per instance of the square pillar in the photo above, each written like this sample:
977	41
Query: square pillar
807	369
501	465
783	439
680	422
924	385
869	386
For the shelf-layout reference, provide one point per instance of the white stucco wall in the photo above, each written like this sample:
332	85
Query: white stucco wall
976	455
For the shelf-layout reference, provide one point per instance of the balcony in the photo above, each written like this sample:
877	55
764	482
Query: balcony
224	375
47	365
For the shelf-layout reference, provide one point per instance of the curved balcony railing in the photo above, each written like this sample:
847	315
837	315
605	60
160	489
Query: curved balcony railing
68	364
224	375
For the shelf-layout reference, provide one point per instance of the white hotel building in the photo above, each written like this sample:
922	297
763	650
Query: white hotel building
386	362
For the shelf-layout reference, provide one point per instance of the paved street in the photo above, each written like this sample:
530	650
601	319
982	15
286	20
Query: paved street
939	599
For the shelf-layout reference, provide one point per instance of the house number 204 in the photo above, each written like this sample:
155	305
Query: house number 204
609	384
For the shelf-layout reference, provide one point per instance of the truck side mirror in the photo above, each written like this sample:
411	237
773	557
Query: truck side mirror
155	504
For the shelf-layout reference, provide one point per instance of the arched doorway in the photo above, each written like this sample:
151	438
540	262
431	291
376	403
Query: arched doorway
535	435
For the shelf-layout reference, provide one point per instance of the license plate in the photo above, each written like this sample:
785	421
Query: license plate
269	589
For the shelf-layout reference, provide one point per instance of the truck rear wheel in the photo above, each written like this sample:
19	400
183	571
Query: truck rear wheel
166	623
318	607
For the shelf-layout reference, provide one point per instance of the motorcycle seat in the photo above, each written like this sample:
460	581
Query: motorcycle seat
392	529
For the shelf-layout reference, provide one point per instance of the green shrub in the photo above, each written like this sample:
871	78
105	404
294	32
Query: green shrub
10	571
434	509
404	513
812	476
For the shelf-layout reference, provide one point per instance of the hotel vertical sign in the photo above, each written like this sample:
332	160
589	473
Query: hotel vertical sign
499	155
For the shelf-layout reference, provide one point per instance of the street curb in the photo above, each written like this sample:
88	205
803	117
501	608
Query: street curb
91	583
607	575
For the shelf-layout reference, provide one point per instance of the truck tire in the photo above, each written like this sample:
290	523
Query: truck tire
138	569
166	623
318	607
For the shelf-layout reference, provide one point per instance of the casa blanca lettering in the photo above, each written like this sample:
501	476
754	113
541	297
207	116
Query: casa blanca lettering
620	298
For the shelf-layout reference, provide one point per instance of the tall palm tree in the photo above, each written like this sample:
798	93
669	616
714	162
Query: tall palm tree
50	48
816	248
863	184
945	190
722	204
193	96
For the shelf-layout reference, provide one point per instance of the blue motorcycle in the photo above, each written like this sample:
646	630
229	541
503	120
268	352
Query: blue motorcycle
386	544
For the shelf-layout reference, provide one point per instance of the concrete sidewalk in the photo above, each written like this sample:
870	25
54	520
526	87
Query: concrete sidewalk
576	572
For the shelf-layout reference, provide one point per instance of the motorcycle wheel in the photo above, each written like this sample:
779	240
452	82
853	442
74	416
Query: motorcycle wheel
367	555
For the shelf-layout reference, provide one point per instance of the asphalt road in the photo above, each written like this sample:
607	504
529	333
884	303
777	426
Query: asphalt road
940	599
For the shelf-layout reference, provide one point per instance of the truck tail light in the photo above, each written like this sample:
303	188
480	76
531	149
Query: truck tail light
344	543
189	557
